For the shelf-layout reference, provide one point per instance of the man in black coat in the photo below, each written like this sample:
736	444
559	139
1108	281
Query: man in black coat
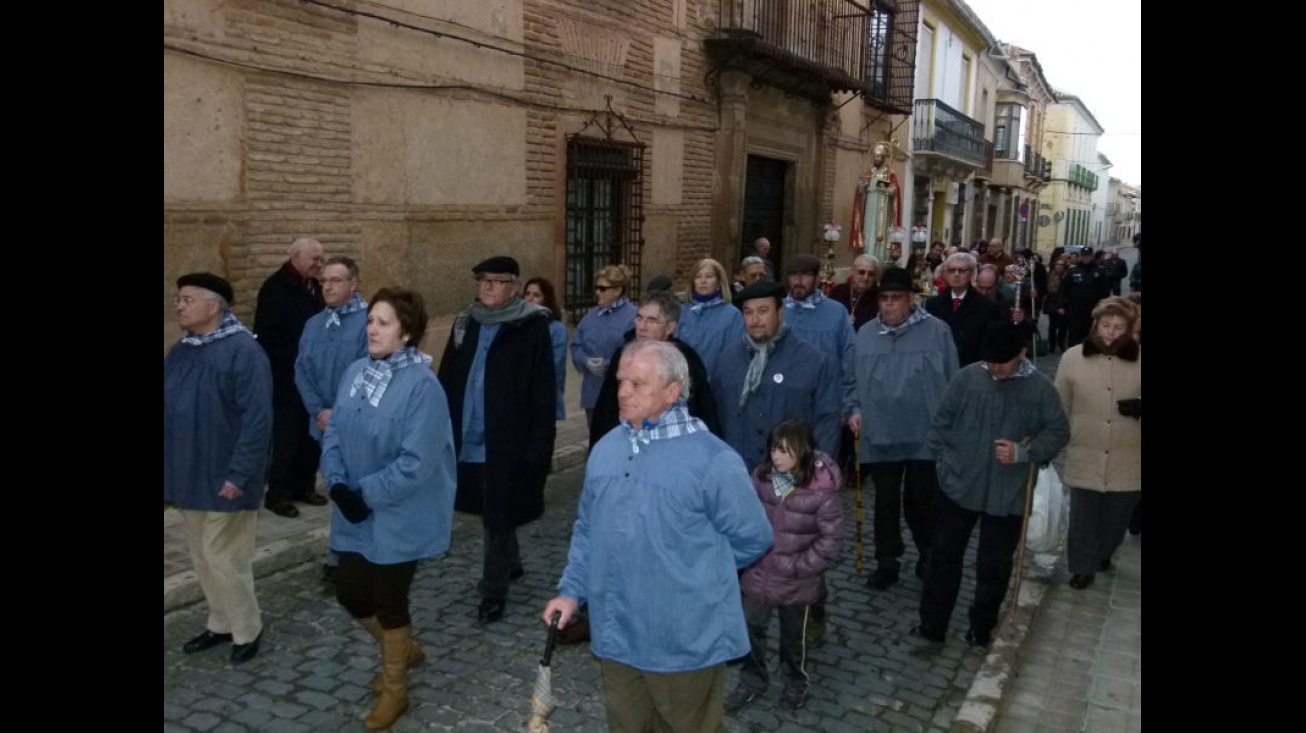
963	308
287	299
497	371
658	316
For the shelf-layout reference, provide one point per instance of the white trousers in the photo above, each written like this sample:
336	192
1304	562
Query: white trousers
222	551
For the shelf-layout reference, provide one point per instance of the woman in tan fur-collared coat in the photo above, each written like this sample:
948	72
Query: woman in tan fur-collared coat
1101	388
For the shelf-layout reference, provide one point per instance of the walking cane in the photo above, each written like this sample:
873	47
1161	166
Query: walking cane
857	476
1024	529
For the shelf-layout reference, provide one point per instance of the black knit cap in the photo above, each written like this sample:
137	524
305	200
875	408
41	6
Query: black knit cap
1003	341
208	281
761	289
500	265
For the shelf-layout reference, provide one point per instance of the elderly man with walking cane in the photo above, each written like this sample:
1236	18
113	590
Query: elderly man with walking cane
998	418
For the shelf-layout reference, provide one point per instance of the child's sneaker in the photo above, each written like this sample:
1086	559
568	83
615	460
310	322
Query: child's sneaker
740	696
794	695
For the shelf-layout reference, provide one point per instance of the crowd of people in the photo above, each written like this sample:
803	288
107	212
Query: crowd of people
724	421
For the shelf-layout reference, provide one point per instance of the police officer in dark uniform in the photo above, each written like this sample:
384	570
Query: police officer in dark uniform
1081	288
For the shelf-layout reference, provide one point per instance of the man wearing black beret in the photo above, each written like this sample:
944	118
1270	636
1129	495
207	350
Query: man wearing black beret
217	422
497	371
771	376
999	419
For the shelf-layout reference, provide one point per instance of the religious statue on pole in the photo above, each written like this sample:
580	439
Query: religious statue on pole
877	209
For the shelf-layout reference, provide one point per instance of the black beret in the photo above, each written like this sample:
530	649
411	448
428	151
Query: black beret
803	264
895	280
208	281
500	265
1003	341
761	289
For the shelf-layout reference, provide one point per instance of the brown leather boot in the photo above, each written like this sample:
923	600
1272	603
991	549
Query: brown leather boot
393	702
415	654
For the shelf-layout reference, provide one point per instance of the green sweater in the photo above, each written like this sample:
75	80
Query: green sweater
977	410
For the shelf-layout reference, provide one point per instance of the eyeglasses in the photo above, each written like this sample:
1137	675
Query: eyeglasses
187	300
604	288
336	280
649	321
492	281
865	272
959	270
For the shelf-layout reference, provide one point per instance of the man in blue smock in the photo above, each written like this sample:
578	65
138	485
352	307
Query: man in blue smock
667	518
217	424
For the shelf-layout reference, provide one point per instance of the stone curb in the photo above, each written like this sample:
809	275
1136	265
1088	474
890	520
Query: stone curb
984	697
183	589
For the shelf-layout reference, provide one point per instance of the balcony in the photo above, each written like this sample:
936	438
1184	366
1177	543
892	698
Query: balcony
1083	177
1037	167
819	47
943	131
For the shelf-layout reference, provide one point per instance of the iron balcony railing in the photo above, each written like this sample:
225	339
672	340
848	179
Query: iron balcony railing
938	128
817	47
1081	176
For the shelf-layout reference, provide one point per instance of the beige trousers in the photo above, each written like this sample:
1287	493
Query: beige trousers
222	551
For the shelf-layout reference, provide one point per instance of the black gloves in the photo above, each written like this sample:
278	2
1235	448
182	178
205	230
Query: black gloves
350	503
1131	408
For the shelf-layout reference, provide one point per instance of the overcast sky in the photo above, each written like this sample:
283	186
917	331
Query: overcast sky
1092	50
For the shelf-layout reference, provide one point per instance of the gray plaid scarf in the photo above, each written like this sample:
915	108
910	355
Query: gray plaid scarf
513	310
228	326
354	304
375	377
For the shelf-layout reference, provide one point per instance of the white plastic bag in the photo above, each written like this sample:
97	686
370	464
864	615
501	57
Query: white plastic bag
1049	515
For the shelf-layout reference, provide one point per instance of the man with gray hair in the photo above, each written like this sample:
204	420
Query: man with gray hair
667	513
755	270
656	320
287	299
762	250
963	308
217	420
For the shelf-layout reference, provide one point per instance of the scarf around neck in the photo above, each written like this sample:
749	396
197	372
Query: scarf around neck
811	301
353	305
375	377
757	367
514	310
708	299
916	316
675	422
228	326
782	482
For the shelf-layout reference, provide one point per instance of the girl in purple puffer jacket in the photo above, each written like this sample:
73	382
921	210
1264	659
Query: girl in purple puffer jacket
798	486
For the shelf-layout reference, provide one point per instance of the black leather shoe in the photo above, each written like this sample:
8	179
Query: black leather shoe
285	509
1105	564
884	576
207	640
490	610
245	652
919	632
1080	581
312	498
975	637
517	573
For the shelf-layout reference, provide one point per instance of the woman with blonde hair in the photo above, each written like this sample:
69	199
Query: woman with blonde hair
1101	387
708	321
602	331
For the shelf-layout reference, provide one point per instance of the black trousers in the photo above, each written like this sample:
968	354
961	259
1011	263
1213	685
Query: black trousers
998	538
793	644
1098	520
365	589
903	490
1057	333
502	554
292	470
